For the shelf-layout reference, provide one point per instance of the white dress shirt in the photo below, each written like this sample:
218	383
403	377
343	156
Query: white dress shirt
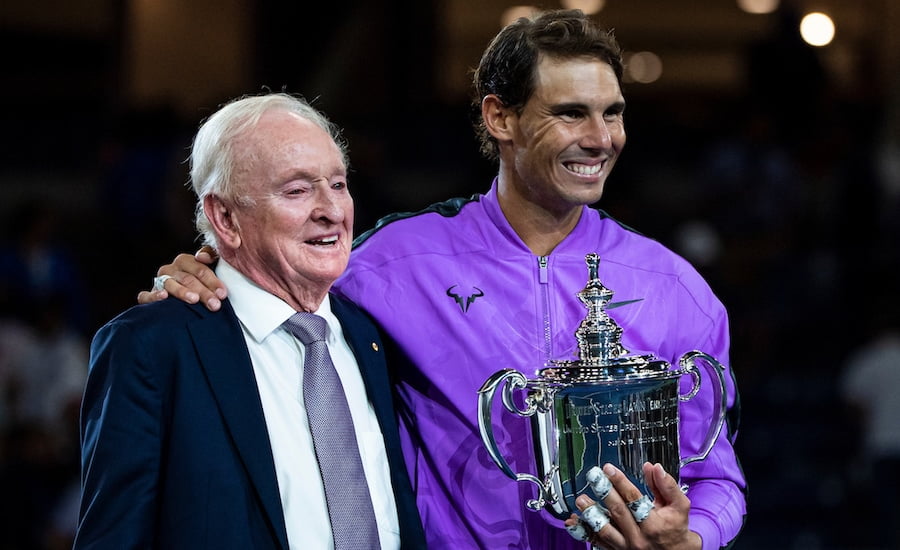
278	365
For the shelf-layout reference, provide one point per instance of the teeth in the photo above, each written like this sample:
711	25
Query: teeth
584	169
328	240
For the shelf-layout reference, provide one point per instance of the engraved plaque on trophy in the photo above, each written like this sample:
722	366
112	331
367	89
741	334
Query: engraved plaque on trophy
608	406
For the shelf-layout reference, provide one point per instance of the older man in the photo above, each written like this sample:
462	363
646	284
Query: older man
269	425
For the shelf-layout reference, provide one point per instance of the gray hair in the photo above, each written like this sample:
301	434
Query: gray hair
213	156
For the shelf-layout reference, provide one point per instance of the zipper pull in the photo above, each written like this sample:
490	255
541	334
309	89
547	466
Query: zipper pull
542	269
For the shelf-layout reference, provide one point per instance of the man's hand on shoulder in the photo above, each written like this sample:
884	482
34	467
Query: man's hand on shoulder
190	279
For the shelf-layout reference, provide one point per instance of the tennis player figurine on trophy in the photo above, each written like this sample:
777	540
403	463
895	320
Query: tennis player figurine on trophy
605	407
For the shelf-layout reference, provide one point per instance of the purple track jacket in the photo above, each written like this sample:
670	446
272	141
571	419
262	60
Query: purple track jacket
464	297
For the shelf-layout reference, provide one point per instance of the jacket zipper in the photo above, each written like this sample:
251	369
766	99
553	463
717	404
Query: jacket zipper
543	279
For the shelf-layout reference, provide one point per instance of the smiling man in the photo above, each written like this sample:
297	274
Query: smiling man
552	114
469	286
269	425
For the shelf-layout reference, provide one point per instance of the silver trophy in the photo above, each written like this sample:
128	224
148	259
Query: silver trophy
606	407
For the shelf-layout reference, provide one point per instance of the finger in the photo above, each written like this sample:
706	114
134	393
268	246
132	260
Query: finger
206	255
624	491
192	281
665	488
577	529
598	520
179	288
185	264
190	289
669	526
600	484
150	296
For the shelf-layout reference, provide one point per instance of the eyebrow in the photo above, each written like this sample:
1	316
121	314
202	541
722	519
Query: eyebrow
568	106
308	175
617	106
285	178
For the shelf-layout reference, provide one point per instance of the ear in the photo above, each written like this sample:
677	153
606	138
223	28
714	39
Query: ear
221	216
498	118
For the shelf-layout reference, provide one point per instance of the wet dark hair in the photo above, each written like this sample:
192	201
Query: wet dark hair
509	64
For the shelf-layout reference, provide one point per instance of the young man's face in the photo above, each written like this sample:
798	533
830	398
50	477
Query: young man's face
569	134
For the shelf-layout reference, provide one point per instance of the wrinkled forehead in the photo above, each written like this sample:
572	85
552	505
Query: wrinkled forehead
281	131
287	143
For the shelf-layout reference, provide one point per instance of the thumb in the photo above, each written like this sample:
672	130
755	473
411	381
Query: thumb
206	255
664	487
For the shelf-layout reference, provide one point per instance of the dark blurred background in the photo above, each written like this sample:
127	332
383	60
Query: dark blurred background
773	165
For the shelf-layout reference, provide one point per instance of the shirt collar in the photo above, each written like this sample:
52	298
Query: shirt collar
260	311
498	218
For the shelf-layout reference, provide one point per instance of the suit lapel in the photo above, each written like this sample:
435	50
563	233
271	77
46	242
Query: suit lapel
367	348
364	340
226	362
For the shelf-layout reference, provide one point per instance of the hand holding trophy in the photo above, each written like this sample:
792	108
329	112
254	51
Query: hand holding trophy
606	407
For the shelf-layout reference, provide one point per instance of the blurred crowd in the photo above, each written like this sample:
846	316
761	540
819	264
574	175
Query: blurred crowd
43	363
54	296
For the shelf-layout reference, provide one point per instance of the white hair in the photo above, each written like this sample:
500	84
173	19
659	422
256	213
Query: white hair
212	158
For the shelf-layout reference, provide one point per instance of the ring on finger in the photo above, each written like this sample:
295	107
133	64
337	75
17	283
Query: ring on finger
596	517
599	482
640	508
159	283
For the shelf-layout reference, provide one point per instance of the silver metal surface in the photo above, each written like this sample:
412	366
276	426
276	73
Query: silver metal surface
608	406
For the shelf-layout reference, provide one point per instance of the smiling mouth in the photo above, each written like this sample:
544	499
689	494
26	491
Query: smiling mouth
583	169
328	241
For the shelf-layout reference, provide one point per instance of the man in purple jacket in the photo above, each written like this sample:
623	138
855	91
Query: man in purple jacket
470	286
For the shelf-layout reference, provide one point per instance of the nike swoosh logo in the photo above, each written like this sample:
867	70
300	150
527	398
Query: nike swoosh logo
613	305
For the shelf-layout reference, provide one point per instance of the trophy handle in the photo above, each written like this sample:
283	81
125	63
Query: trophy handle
486	428
688	364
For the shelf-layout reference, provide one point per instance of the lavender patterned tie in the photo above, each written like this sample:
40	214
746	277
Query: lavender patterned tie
337	451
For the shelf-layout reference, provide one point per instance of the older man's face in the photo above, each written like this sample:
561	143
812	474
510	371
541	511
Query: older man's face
299	229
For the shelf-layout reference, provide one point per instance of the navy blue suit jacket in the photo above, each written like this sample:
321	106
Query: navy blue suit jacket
175	451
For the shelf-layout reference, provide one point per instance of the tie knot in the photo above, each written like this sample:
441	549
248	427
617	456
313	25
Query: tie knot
307	327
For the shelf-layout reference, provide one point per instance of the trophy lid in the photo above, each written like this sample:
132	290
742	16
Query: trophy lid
601	355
